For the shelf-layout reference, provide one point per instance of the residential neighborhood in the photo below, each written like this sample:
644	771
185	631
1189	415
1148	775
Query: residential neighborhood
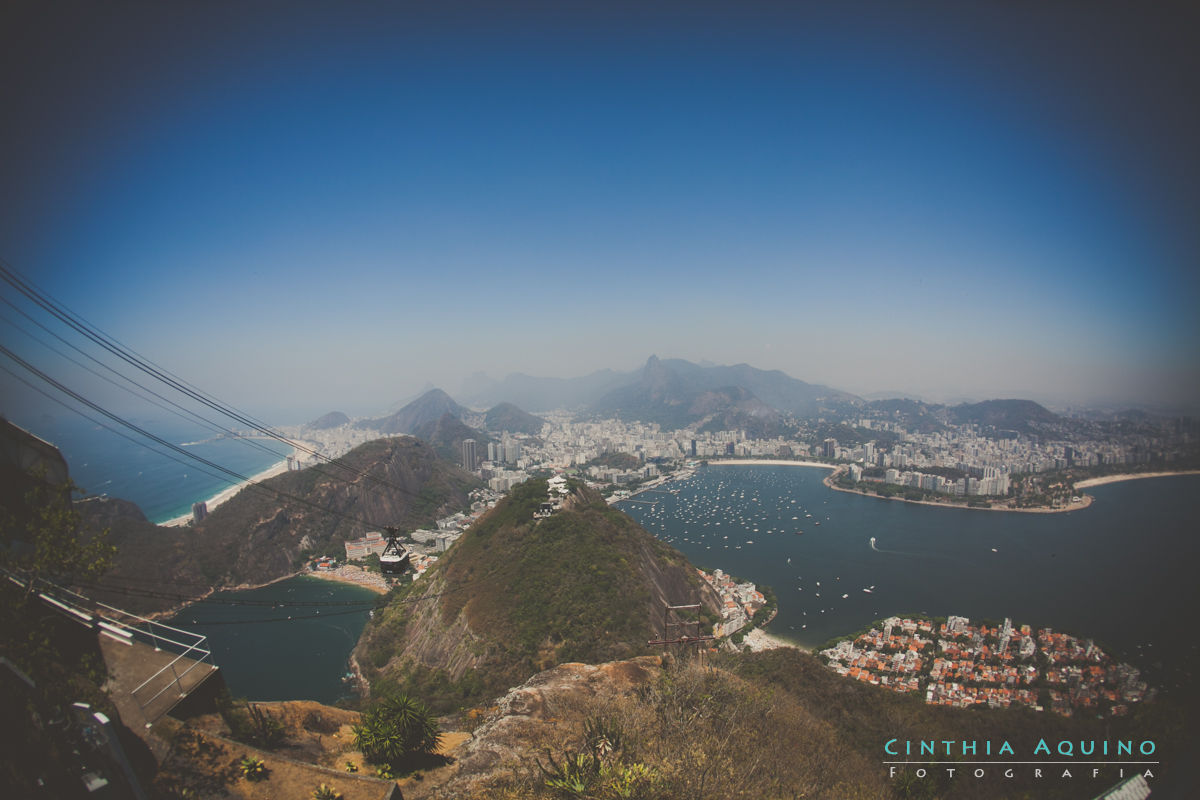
955	663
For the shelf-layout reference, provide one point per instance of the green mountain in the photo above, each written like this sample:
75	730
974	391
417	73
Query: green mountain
508	417
265	533
517	594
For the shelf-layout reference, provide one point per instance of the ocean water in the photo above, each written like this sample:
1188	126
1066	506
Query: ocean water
264	655
103	463
1119	571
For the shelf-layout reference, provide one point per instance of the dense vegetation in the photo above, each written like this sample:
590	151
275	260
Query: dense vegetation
394	730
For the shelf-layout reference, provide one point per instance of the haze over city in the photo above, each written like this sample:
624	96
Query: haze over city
308	207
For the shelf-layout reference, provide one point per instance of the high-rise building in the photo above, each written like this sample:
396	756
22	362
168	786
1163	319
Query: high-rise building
468	455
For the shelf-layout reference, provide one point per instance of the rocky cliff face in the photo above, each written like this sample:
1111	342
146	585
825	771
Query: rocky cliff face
518	593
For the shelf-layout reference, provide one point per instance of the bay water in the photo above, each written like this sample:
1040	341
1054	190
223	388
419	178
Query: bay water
1120	571
289	640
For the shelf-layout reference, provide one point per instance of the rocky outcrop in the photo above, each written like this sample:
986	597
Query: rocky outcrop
542	709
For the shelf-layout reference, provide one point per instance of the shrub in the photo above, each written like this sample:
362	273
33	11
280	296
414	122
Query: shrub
395	727
252	769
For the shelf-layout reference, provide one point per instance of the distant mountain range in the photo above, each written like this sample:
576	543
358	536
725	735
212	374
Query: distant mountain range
436	418
541	394
675	393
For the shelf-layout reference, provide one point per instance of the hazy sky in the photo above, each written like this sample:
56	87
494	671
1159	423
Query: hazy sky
307	206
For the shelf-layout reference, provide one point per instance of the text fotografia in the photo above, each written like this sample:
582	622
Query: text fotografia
1109	764
1047	769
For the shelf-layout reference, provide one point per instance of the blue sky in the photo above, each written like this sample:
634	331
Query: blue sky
310	206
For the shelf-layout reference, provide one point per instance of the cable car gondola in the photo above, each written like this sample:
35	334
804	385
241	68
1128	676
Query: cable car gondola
394	558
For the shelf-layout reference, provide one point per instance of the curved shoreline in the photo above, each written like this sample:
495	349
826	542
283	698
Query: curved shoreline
838	469
173	610
1084	502
1130	476
227	493
772	462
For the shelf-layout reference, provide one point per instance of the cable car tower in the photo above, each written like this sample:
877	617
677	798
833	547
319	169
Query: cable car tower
394	558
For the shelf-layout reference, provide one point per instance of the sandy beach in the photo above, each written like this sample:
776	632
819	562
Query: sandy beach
224	495
1131	476
771	462
758	640
355	575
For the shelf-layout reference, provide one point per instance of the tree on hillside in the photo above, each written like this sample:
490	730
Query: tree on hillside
45	538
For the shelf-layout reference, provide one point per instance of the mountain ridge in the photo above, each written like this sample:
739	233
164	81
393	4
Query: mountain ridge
584	584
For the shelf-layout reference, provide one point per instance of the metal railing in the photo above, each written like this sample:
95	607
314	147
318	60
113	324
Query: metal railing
126	627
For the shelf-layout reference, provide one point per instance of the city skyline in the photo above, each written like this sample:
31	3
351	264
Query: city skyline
328	210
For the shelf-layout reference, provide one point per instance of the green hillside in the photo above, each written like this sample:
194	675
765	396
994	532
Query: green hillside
518	594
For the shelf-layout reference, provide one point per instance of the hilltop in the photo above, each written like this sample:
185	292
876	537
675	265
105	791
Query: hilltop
260	535
426	409
508	417
518	594
334	419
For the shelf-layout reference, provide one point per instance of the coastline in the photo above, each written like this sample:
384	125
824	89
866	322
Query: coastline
173	610
226	494
771	462
1130	476
1084	502
837	470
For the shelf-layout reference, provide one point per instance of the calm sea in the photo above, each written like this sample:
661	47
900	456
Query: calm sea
103	463
1119	571
264	655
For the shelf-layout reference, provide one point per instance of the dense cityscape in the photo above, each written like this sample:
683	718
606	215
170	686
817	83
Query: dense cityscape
1021	469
